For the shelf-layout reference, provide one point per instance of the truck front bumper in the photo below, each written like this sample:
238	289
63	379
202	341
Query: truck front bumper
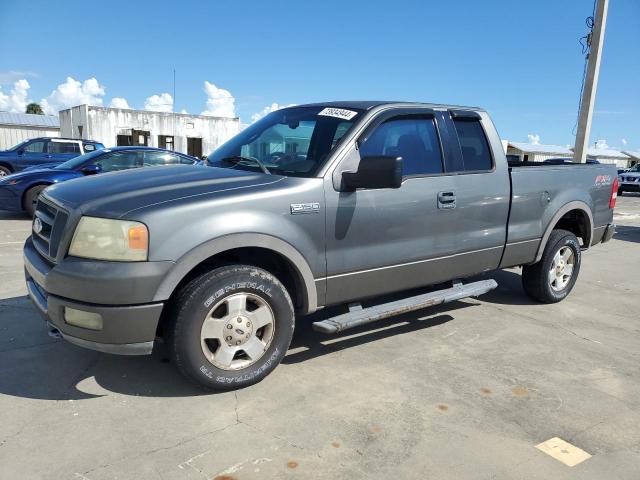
121	323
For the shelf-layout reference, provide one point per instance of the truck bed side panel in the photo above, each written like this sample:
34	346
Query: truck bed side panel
540	192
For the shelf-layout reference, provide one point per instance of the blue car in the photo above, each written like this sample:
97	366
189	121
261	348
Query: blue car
41	151
20	191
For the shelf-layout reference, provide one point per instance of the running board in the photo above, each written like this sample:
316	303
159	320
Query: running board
356	317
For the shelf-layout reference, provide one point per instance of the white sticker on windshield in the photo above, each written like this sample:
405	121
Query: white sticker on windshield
338	113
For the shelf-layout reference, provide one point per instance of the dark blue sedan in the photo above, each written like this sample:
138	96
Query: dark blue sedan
19	192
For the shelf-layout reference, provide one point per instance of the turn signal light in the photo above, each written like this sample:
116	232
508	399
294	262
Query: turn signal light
138	238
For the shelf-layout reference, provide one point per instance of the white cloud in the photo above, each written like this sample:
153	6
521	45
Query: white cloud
119	102
17	100
267	110
159	103
624	141
72	93
10	76
534	138
220	102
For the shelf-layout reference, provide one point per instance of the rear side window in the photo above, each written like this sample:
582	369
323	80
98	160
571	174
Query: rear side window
155	159
413	138
64	147
473	143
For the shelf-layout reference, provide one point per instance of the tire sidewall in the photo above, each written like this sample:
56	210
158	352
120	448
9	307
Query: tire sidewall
568	240
221	285
29	196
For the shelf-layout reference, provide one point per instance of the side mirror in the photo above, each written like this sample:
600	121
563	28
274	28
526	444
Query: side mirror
91	169
21	151
375	172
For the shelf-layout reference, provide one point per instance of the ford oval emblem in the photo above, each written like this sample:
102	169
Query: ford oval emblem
37	225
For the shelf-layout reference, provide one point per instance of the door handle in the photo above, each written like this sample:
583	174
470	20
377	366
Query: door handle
446	199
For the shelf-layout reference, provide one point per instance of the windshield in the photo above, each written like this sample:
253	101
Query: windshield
294	141
635	168
75	162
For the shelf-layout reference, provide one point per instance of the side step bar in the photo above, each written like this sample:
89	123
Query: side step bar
357	317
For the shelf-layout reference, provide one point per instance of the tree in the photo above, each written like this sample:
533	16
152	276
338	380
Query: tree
34	108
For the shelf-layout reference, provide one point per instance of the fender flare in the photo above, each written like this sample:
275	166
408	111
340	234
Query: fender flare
575	205
199	254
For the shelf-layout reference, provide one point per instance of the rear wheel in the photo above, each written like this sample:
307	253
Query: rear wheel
4	171
231	327
31	199
553	277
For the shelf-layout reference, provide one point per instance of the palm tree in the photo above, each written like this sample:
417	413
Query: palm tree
34	108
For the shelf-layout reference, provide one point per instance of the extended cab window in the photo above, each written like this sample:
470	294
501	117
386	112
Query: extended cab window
473	143
415	139
64	147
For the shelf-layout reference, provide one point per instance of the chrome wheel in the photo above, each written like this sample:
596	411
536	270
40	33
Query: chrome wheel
237	331
561	268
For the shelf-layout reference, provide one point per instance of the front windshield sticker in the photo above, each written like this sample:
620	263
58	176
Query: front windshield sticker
338	113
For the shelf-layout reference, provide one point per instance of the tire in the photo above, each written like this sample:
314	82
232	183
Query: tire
31	199
4	171
620	192
207	323
538	280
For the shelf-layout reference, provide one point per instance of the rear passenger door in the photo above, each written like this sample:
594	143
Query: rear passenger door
479	187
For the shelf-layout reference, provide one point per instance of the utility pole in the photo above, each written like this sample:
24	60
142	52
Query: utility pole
595	42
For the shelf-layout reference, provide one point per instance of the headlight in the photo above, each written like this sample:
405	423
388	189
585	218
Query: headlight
106	239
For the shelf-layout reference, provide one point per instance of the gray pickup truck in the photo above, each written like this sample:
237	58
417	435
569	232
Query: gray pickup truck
314	205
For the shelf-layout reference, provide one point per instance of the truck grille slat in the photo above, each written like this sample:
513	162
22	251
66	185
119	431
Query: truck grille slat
53	221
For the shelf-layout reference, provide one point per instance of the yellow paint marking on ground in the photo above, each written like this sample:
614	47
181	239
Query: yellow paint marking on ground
563	451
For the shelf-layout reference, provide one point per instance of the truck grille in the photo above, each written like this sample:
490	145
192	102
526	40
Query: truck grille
48	227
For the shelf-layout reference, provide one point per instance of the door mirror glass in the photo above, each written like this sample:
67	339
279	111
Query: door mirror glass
374	172
91	169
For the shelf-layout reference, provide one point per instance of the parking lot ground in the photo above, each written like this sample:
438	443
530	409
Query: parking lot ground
464	391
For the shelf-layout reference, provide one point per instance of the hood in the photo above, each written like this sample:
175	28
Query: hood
42	166
52	174
116	193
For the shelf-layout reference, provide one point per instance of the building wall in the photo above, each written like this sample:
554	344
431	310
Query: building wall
105	124
11	135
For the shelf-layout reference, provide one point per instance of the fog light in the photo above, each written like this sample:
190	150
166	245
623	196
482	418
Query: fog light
82	319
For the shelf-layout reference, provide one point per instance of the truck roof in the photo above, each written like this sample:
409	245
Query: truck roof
369	104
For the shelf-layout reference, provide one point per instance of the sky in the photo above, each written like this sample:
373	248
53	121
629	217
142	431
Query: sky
520	60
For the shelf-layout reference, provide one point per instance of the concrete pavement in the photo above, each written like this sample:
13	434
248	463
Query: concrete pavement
462	391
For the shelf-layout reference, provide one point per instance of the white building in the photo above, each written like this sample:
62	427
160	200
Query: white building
17	127
536	152
610	156
195	135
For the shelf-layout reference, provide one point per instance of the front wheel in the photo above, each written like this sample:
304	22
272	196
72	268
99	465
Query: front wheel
231	327
620	192
553	277
31	199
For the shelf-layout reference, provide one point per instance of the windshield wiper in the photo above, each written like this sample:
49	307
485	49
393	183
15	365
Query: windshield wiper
238	158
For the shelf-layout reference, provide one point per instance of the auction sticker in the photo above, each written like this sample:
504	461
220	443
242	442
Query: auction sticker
338	113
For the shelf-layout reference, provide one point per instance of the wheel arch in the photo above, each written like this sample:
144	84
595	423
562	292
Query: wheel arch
264	248
7	165
575	217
